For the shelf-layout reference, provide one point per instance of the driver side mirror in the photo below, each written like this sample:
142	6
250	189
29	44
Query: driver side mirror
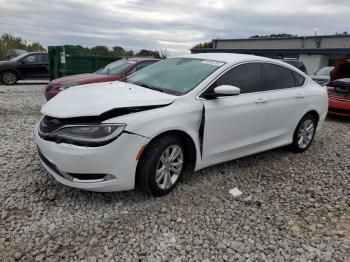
23	61
226	90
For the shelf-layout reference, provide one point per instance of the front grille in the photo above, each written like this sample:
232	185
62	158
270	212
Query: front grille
339	110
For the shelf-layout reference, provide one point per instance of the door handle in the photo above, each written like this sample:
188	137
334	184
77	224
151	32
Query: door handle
260	101
299	96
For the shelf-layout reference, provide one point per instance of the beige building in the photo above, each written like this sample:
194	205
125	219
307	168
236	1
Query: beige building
314	51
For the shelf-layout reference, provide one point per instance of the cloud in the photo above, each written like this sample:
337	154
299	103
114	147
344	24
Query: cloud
173	25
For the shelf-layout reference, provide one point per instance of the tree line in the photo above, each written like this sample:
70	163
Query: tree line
9	41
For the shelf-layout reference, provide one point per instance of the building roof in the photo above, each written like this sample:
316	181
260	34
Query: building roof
284	38
277	51
307	45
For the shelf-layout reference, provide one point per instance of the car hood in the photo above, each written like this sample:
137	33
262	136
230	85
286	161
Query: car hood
5	62
96	99
80	78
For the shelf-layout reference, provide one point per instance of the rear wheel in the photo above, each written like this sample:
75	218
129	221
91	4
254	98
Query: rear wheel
162	165
9	78
304	133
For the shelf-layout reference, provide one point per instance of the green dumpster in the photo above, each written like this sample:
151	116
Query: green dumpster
63	63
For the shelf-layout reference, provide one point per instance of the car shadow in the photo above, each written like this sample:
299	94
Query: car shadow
31	83
337	119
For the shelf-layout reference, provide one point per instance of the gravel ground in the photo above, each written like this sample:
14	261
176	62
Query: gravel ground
300	212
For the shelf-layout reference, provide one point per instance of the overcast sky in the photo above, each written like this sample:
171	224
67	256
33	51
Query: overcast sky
174	25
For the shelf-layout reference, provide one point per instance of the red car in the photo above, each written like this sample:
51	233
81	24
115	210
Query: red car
339	97
117	70
339	89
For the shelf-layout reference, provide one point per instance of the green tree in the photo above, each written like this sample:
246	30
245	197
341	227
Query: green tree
100	50
36	46
130	53
204	45
118	51
282	35
9	41
148	53
77	49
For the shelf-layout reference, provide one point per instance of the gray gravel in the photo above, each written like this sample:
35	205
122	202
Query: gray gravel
299	213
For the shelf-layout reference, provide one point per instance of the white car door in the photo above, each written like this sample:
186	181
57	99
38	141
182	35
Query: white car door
235	124
287	103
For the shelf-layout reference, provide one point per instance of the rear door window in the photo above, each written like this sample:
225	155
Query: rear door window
299	79
247	77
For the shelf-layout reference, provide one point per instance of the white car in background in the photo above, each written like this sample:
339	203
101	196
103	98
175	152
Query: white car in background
323	76
180	114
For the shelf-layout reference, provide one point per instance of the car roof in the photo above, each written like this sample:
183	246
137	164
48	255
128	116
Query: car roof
30	53
227	57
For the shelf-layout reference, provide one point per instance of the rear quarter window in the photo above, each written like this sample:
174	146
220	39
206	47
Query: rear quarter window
279	77
299	79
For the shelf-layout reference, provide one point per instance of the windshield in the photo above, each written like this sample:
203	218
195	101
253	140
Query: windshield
175	75
324	71
17	58
115	68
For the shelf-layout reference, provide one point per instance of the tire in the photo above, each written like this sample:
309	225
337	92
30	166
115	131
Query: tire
9	78
304	134
154	159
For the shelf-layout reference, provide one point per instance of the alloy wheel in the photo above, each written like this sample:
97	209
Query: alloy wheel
169	167
9	78
306	133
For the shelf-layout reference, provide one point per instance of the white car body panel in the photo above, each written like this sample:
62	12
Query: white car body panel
102	97
90	160
233	123
234	126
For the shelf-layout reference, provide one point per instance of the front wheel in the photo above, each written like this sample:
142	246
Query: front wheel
304	133
9	78
162	165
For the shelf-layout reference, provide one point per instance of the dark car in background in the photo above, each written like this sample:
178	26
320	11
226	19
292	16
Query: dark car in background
296	63
33	65
341	69
117	70
12	53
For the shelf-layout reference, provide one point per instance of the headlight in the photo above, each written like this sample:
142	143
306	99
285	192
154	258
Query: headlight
66	86
86	135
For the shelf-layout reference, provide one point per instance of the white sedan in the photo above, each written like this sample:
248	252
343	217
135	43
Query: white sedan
176	116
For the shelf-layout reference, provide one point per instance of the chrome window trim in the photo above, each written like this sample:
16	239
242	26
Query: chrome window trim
198	96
